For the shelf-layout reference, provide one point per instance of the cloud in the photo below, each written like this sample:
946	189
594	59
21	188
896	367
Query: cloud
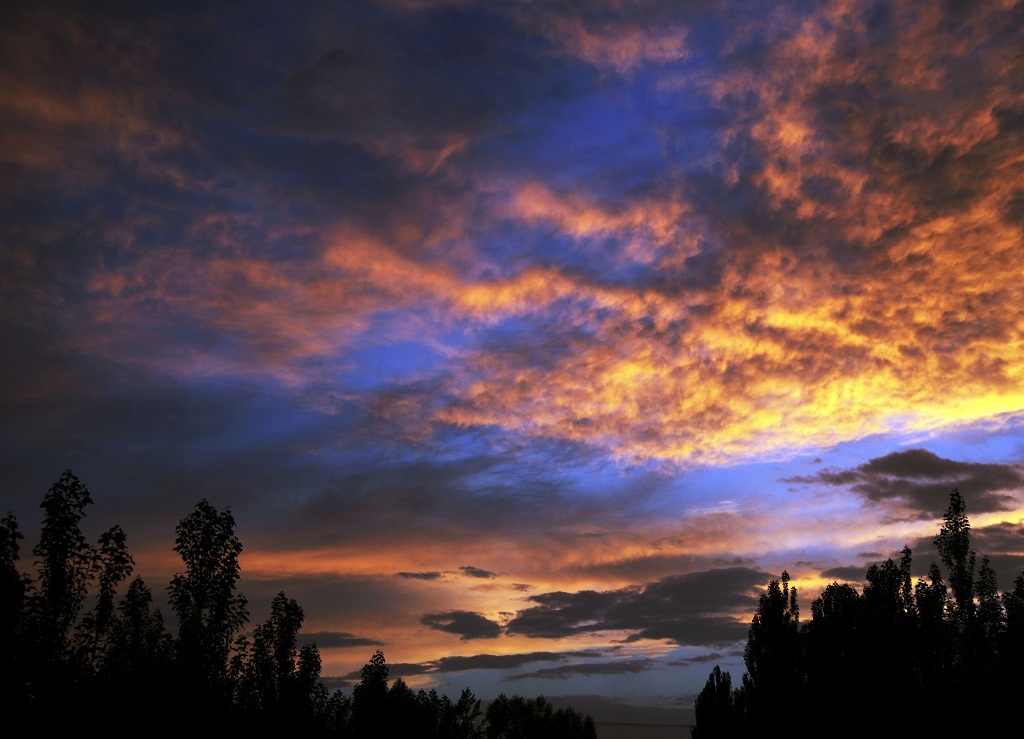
422	101
105	124
702	659
420	575
467	624
725	295
923	480
808	348
564	672
845	574
476	572
335	640
505	661
483	662
696	609
619	37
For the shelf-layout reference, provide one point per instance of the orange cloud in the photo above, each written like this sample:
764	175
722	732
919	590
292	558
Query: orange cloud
57	120
643	228
619	36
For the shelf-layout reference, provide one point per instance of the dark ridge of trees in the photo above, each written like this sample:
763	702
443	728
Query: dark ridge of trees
72	653
899	659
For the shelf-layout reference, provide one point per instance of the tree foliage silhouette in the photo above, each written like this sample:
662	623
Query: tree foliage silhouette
14	589
203	597
525	718
954	545
715	708
66	565
379	710
772	653
118	658
113	565
891	647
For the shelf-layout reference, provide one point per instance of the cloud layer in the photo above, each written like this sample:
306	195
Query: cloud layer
727	293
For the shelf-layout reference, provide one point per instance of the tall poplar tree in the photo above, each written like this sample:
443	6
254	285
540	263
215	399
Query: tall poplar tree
203	597
954	545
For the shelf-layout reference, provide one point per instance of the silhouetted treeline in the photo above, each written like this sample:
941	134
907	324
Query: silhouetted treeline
899	659
73	654
399	712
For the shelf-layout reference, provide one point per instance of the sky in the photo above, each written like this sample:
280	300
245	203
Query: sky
525	341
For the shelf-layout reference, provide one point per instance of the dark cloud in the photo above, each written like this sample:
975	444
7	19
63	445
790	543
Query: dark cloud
564	672
507	661
484	662
467	624
469	571
695	609
422	498
419	575
924	481
1005	537
335	640
845	574
417	85
710	657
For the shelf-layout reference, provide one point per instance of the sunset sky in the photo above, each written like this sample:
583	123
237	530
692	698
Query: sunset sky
525	341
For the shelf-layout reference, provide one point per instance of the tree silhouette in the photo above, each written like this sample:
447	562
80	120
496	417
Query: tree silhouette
275	683
524	718
370	698
138	670
66	564
989	615
834	648
203	597
114	565
14	589
376	709
463	719
887	633
894	647
772	654
934	653
119	659
954	545
715	708
1011	638
306	701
